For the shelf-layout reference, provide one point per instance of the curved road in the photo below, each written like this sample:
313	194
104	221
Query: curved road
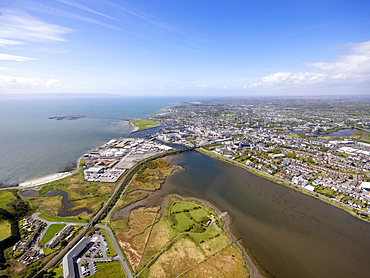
116	246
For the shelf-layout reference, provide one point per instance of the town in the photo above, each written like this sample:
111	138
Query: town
319	146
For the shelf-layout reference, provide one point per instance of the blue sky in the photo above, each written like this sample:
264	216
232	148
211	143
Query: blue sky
185	47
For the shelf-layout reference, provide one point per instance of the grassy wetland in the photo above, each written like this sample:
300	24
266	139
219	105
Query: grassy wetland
185	231
151	176
82	195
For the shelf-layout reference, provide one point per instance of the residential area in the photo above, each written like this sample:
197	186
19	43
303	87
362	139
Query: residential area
323	150
319	148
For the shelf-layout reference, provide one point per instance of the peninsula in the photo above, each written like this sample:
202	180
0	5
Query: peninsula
142	124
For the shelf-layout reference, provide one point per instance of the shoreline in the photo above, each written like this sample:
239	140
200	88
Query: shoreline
283	183
59	175
40	181
254	268
136	128
139	128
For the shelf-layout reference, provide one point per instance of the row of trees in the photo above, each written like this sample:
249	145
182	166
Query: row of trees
10	241
16	210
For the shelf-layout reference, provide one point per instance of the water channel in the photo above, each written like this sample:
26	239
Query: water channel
64	211
340	133
290	234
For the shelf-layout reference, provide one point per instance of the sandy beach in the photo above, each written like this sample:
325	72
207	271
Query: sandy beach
135	128
43	180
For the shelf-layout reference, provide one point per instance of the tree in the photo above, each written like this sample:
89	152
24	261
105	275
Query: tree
64	243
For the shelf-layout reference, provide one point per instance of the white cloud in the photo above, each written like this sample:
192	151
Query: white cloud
288	78
37	7
142	16
87	9
16	81
18	27
204	86
4	42
347	69
15	58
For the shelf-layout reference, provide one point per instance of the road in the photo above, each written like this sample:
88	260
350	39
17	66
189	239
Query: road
48	223
117	248
115	244
97	216
36	215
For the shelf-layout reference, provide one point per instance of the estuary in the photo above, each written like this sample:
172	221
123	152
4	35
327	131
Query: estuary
289	233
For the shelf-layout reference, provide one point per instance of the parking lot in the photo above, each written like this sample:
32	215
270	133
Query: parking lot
96	253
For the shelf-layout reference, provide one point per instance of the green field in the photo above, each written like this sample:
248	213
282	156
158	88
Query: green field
62	219
189	216
4	229
362	136
199	214
6	197
109	270
144	124
50	233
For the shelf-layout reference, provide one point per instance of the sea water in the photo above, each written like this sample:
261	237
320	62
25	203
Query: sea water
32	145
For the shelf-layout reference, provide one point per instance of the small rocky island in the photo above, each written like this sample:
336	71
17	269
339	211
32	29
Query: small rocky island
67	118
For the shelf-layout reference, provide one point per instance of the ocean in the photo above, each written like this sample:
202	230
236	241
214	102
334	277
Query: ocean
32	145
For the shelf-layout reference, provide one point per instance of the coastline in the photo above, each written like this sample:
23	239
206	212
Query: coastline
135	128
41	180
141	127
255	269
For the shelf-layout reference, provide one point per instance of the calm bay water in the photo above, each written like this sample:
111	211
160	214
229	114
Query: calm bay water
289	233
340	133
32	146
